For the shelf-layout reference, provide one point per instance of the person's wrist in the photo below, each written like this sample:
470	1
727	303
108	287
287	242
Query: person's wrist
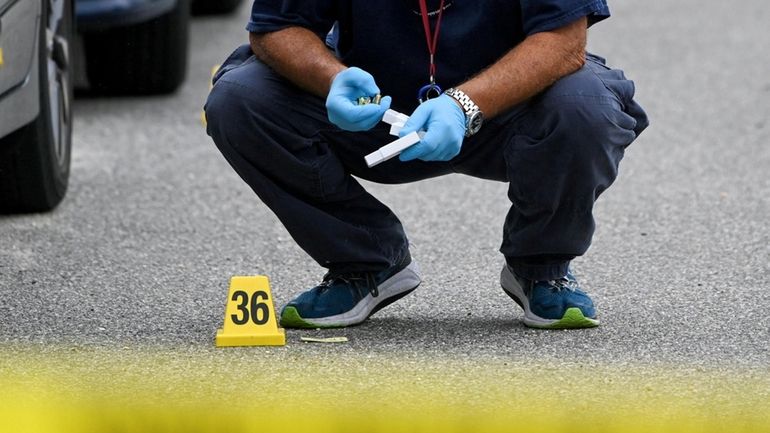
459	105
457	113
332	75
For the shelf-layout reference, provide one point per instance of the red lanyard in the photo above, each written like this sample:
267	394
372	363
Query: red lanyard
432	40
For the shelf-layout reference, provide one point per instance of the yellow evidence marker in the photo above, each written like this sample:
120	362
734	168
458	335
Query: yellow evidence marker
250	315
1	56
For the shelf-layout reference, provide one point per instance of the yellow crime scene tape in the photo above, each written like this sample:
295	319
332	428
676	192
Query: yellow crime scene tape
334	389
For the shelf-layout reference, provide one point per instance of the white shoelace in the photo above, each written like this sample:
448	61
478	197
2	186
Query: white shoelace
563	283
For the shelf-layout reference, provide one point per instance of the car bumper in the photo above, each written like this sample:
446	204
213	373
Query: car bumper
101	14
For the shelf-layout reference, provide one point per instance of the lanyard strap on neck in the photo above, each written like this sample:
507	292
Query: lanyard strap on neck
431	39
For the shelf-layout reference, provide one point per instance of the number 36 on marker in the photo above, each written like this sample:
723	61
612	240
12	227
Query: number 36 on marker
255	310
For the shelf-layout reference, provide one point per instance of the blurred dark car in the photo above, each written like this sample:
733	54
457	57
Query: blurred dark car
128	47
139	46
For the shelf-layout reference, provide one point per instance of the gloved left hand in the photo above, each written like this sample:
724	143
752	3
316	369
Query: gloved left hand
347	87
444	123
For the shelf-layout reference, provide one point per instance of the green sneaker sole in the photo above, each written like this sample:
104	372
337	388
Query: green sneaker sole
290	318
573	319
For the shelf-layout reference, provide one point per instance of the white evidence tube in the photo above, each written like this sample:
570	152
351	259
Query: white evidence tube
396	121
392	149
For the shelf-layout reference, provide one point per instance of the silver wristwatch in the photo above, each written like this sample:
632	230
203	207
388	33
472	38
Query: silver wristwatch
473	115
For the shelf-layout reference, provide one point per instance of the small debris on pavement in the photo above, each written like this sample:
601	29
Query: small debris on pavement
324	340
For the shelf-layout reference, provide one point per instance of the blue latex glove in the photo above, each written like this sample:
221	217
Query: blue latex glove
444	123
347	87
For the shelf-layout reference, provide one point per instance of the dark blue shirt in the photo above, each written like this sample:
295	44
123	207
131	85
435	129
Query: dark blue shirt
386	37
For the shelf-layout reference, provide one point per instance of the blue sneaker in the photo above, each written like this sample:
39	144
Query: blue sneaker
554	304
349	299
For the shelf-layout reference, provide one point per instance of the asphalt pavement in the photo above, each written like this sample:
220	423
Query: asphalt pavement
155	223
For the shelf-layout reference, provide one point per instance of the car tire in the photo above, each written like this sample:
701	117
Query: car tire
148	58
214	7
35	159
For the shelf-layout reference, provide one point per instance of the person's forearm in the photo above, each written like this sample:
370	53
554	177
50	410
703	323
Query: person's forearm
528	69
311	67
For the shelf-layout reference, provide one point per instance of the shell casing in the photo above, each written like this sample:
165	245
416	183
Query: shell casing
365	100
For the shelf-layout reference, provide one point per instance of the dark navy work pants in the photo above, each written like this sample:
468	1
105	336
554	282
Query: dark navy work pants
558	152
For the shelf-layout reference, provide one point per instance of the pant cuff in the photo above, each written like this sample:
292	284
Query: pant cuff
539	271
402	260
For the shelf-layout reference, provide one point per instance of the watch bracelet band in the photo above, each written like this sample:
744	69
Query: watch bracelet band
473	114
465	101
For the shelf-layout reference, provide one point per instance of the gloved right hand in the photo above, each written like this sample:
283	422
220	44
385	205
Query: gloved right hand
347	86
444	123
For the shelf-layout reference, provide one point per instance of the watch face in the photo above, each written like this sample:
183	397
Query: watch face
475	121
